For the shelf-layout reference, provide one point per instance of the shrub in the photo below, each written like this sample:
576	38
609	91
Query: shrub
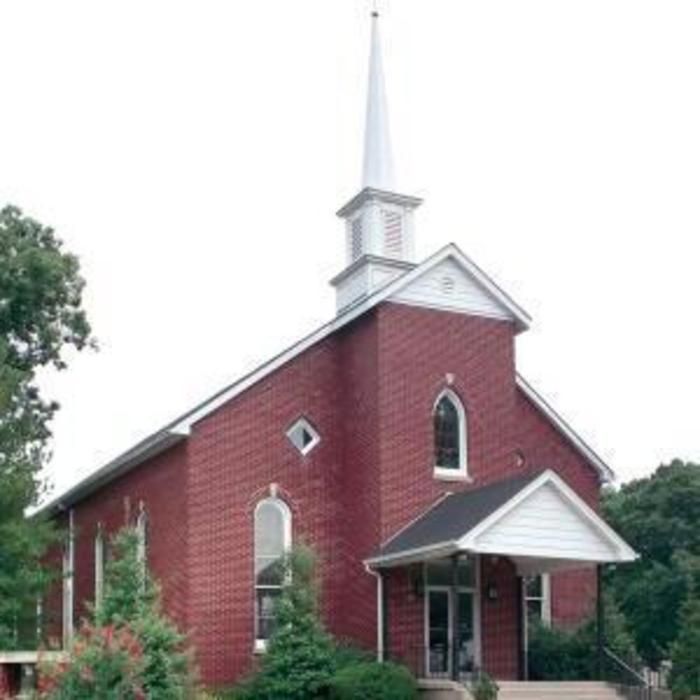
299	662
371	680
685	652
571	654
484	687
105	662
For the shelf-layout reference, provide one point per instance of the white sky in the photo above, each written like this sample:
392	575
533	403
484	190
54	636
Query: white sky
194	153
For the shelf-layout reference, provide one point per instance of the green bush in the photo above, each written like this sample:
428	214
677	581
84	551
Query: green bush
571	654
371	680
299	661
105	662
484	687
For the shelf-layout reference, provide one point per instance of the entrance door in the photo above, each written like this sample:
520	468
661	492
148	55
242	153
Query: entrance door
440	635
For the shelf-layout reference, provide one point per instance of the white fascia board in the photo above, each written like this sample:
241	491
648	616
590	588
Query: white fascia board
418	554
624	552
605	472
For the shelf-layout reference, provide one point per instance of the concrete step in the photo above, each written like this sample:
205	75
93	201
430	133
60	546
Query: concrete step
552	690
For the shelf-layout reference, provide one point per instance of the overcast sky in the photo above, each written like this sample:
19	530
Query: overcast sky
193	155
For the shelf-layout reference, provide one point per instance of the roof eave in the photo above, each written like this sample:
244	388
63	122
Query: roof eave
152	446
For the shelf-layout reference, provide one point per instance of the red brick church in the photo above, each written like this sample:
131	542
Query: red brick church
445	498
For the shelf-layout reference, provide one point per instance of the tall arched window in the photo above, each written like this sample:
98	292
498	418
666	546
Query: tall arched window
142	545
450	436
273	539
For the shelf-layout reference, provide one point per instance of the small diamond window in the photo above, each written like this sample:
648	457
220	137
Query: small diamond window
303	436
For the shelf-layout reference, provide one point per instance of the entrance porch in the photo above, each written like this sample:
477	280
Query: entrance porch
451	586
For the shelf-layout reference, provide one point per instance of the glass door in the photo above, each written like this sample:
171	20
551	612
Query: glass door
439	632
438	652
465	635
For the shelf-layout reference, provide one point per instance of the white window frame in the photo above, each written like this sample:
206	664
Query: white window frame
261	644
68	584
99	566
545	599
446	473
304	424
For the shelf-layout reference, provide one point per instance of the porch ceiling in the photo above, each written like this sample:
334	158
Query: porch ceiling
536	520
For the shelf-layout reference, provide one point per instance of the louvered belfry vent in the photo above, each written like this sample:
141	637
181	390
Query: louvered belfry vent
357	238
393	233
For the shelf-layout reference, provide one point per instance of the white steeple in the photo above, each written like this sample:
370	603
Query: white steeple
378	170
379	221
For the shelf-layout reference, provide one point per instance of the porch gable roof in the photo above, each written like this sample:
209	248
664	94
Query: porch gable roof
534	517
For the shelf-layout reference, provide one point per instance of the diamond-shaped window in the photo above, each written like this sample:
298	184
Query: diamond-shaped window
303	436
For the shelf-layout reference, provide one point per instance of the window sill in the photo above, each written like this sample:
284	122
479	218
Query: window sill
451	475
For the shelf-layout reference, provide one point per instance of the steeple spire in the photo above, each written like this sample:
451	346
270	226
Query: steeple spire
378	220
378	169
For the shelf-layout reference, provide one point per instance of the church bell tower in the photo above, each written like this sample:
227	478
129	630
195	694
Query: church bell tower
378	220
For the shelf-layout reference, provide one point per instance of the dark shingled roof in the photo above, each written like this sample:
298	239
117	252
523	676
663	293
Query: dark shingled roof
455	515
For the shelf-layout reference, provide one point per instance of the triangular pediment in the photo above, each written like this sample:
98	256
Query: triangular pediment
548	521
452	282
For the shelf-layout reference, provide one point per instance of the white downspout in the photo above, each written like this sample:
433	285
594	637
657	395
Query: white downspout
380	612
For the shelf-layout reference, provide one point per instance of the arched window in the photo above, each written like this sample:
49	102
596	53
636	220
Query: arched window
450	436
99	565
142	545
273	539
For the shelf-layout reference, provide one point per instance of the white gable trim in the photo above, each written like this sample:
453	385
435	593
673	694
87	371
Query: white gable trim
605	472
623	552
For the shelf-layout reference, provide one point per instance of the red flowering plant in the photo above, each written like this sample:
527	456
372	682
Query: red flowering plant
104	662
132	650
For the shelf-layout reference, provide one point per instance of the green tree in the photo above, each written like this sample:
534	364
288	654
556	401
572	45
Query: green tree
685	651
658	516
299	662
40	316
132	598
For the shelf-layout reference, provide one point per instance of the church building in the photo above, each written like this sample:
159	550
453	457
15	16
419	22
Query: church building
446	500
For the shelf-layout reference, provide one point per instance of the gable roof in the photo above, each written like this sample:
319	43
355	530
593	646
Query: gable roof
178	429
504	519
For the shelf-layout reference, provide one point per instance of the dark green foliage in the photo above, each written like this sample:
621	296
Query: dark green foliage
484	687
658	516
685	652
299	662
559	654
370	680
40	316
